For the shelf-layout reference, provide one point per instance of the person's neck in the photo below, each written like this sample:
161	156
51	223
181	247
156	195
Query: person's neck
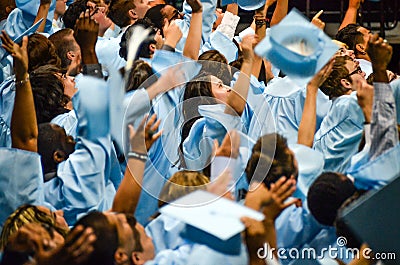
363	57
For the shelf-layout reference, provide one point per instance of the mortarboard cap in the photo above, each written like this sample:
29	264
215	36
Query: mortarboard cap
374	219
211	220
297	47
30	8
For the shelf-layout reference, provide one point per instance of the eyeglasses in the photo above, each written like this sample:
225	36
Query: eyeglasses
357	71
175	15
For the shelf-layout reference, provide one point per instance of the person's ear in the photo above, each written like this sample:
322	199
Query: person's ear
59	156
71	55
345	83
360	49
136	258
152	47
120	256
132	14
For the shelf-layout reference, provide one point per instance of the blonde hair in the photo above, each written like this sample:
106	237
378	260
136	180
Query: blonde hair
26	214
181	184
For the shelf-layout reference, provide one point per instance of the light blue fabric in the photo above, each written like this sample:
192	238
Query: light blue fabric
218	41
245	4
376	173
107	51
7	96
207	25
296	31
163	155
30	8
83	180
395	85
21	180
197	147
171	248
340	133
310	165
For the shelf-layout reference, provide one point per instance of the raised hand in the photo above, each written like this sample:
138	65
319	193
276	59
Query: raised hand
247	45
196	5
172	33
86	31
316	21
380	52
230	145
19	53
143	138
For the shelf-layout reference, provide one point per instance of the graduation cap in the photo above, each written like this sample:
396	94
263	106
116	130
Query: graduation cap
297	47
245	4
211	220
374	219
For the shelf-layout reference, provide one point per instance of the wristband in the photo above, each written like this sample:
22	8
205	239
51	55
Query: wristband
138	156
21	82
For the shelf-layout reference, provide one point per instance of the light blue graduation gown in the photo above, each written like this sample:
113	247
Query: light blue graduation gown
83	180
171	248
7	96
286	100
21	180
163	155
218	41
207	25
340	133
395	85
107	51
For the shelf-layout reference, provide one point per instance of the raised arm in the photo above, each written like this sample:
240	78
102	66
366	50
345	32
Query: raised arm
128	193
43	11
24	131
309	117
384	133
351	14
280	11
193	41
237	97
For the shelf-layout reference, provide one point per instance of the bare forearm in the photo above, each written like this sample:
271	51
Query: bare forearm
43	11
350	17
128	193
24	131
280	12
193	41
308	120
237	97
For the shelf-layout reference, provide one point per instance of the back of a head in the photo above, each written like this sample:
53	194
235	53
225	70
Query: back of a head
180	184
63	41
41	52
106	238
270	160
141	75
23	215
325	196
73	12
156	15
144	50
214	62
118	12
349	35
48	93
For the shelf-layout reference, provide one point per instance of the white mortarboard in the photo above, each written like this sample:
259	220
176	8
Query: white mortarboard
374	219
297	47
211	220
245	4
